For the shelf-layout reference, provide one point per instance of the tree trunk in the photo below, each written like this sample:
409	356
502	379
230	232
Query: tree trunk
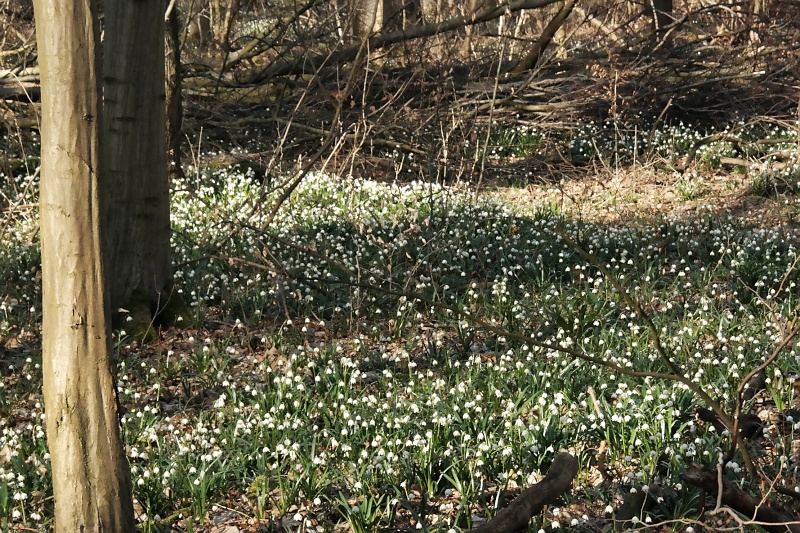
531	59
198	29
91	479
471	7
661	11
174	85
429	10
136	188
230	16
217	9
368	17
437	10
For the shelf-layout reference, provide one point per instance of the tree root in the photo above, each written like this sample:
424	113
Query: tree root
764	513
531	501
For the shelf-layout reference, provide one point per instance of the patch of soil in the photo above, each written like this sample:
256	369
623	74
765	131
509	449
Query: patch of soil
642	194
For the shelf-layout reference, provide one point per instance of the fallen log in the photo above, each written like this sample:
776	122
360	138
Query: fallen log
533	499
22	92
766	514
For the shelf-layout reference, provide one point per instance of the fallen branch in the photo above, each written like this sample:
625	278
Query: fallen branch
258	43
533	499
17	73
600	25
23	92
717	137
760	512
15	51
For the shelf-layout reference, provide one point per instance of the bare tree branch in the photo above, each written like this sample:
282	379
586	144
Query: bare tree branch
310	64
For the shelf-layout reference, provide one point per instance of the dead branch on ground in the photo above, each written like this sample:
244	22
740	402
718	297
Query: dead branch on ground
533	499
764	513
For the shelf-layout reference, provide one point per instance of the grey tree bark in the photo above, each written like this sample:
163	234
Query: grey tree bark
136	185
91	478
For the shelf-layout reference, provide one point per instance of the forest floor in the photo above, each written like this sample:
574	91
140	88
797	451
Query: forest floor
646	193
327	378
479	273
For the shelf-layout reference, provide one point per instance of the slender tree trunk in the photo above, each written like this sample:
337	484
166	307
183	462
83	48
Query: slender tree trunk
136	194
427	9
173	93
230	16
437	10
198	29
531	59
219	14
661	11
471	6
368	17
91	478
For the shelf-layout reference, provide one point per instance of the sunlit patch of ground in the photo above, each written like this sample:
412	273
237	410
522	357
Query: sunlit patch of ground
645	194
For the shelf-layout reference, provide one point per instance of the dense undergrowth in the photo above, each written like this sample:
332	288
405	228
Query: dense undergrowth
331	374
